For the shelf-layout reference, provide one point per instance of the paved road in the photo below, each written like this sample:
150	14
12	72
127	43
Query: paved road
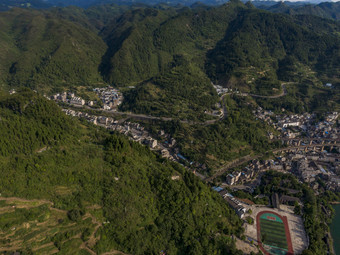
145	117
283	93
208	122
304	139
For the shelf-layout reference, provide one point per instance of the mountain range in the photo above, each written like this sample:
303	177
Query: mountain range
171	54
72	187
7	4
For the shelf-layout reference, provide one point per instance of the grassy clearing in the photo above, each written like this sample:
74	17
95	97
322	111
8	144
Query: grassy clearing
273	233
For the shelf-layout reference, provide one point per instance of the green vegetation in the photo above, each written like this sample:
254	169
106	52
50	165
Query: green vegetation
185	93
40	229
273	233
316	221
37	4
85	170
41	51
237	135
171	54
250	220
250	43
327	10
253	51
25	125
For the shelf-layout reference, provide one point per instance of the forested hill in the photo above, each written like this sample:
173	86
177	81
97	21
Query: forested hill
264	41
42	51
156	48
47	155
328	10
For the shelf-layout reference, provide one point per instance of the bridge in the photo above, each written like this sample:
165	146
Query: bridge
310	142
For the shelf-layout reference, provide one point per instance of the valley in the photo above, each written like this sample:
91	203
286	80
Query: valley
163	128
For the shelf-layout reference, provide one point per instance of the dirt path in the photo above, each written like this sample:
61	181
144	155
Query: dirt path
43	246
115	252
17	199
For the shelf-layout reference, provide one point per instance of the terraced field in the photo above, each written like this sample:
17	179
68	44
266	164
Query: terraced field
35	226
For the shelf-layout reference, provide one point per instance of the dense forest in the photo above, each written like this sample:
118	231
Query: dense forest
165	59
76	165
155	48
328	10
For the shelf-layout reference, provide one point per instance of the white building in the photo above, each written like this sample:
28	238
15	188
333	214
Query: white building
77	101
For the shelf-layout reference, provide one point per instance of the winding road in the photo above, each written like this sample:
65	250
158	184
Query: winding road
207	122
283	93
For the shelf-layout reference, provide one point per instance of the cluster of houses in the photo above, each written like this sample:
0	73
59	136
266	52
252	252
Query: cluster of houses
308	166
235	203
221	90
69	97
238	177
307	170
305	123
263	115
326	128
255	167
110	97
277	200
292	126
137	133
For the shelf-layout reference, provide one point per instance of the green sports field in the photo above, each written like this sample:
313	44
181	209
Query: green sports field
273	233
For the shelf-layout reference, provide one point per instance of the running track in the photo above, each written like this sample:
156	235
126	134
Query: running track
285	222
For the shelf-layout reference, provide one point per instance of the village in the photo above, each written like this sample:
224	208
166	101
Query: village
136	132
311	155
302	158
110	98
299	125
291	130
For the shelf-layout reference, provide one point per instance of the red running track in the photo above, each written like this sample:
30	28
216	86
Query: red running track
285	223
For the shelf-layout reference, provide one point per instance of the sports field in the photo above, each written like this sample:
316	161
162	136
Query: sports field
273	234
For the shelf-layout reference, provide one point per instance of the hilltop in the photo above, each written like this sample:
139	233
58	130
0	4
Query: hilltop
328	10
153	49
42	51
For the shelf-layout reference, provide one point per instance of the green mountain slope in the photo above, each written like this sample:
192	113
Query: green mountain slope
184	92
234	45
328	10
131	59
143	43
163	52
155	48
94	18
92	173
259	40
42	51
